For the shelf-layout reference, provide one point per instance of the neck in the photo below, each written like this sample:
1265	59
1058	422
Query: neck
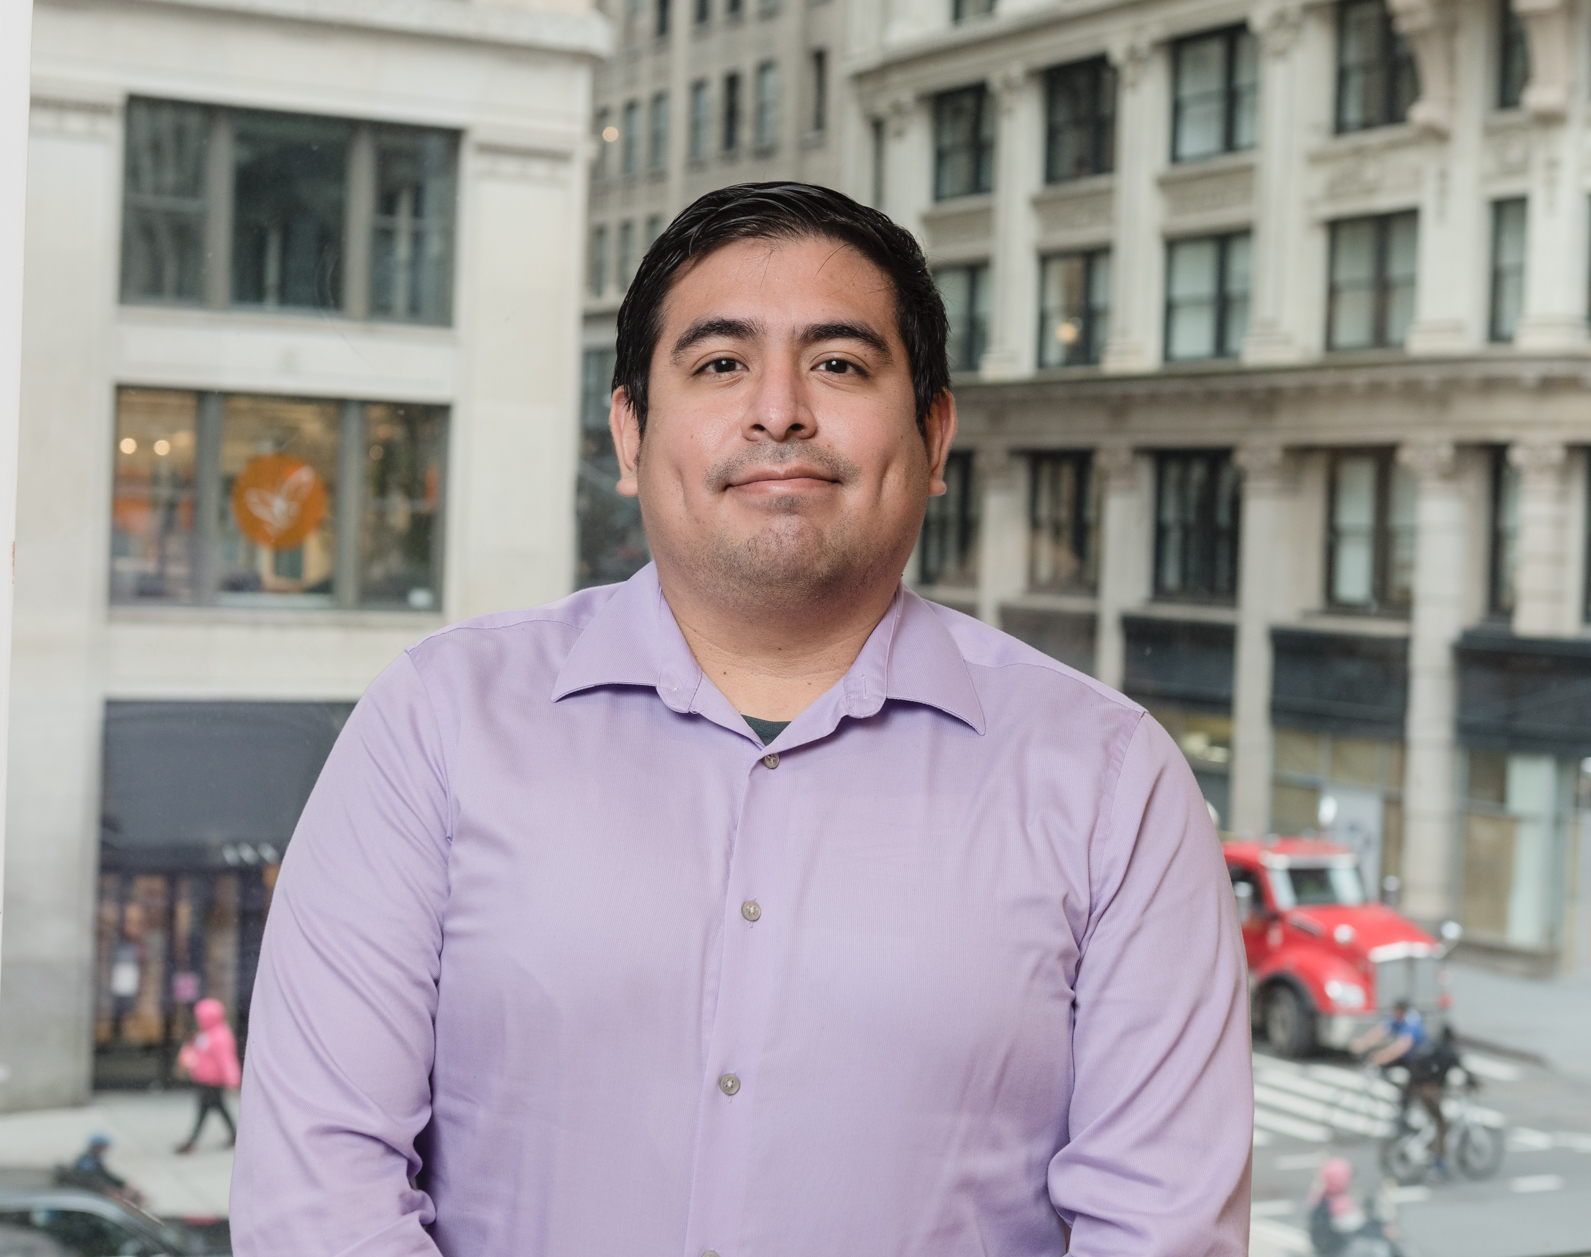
773	661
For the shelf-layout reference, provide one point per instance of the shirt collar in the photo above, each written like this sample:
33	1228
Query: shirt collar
633	639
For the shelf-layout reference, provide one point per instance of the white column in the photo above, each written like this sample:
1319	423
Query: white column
1126	551
1011	352
1002	533
908	174
1137	252
1278	214
15	20
1554	314
1541	579
1440	574
1268	489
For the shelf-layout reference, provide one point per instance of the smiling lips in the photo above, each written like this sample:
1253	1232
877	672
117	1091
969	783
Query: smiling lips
794	478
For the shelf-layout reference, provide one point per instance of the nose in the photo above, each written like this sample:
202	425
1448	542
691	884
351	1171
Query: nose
778	409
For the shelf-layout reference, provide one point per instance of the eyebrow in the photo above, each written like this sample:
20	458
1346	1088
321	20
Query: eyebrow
748	329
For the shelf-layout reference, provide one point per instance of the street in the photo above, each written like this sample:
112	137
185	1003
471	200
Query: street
1538	1204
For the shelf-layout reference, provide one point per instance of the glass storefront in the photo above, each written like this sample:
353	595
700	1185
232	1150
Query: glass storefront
1206	740
1347	789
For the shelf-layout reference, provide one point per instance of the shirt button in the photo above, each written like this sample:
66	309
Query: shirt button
751	910
770	761
728	1084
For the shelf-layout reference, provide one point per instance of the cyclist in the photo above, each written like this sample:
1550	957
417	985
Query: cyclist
1402	1040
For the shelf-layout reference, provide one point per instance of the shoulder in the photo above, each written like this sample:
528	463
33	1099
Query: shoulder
554	624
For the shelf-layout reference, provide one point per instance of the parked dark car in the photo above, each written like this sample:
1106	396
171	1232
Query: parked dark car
42	1217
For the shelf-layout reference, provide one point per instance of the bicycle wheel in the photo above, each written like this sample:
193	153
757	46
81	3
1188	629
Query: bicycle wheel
1406	1158
1480	1150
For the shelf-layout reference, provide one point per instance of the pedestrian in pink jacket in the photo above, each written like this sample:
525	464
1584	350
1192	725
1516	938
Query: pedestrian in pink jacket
211	1059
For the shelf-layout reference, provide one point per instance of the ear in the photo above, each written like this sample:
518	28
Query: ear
626	430
939	437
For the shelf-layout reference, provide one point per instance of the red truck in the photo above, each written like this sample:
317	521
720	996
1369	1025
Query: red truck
1325	962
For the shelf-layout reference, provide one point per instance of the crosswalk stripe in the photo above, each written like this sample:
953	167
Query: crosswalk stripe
1536	1183
1497	1071
1357	1123
1359	1101
1282	1125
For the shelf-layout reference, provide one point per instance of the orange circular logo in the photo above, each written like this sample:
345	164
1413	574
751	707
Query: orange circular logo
278	500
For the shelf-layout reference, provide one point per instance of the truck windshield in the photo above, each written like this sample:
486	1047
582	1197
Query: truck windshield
1307	887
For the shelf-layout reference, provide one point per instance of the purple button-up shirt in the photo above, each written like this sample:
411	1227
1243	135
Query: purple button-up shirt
563	961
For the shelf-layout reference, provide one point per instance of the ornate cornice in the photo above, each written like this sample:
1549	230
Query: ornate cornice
1537	456
1431	460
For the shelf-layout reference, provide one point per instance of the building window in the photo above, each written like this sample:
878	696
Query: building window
603	125
1376	78
1508	267
236	499
626	254
704	12
284	211
657	147
611	543
1513	57
1344	789
1196	526
1074	310
654	229
731	112
820	91
963	142
630	141
732	8
965	290
1207	296
879	151
1505	534
597	271
662	18
948	555
1063	522
1371	302
1079	120
961	10
1518	822
1215	93
701	115
1370	543
765	120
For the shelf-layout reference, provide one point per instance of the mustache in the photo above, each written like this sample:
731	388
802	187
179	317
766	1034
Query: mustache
727	471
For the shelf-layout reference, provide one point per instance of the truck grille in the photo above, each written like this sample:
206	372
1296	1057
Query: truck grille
1406	977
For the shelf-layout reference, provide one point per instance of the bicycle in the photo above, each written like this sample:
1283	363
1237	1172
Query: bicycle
1476	1148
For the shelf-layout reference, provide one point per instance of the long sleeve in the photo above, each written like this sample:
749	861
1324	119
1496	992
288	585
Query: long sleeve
341	1040
1161	1118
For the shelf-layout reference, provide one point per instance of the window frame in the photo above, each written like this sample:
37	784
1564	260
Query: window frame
699	138
1380	602
956	522
1501	206
630	138
1512	38
1231	93
1382	283
1223	296
1213	548
980	275
1503	550
1083	525
1094	344
961	10
818	61
980	151
765	107
1396	61
730	120
597	261
1099	123
657	133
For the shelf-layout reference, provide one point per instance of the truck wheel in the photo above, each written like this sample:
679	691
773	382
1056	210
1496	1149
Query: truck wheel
1289	1023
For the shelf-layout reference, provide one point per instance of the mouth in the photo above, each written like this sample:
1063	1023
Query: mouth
795	478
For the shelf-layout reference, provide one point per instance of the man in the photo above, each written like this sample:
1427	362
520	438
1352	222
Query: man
755	906
1402	1040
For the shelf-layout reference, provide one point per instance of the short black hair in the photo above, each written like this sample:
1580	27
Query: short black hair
786	211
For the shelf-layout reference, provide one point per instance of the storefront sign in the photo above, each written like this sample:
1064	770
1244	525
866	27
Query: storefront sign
278	501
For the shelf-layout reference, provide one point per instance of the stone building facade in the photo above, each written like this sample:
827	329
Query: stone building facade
301	344
1271	334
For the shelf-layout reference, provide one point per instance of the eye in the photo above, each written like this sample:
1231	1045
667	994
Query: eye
840	366
721	366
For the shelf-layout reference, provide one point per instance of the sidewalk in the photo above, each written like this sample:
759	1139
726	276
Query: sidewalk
1545	1019
145	1128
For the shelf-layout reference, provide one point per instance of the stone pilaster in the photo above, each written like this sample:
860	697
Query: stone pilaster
1277	215
1540	579
1440	575
1429	25
907	160
1269	485
1002	533
1011	352
1137	253
1126	550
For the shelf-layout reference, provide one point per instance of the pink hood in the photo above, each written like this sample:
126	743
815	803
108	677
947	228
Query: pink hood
211	1056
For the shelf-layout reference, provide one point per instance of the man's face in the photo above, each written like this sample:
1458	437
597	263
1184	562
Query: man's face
782	459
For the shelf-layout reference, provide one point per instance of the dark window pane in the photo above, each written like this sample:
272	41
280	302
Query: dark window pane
1080	108
1513	58
963	143
1074	315
1508	267
288	210
1201	97
611	544
949	543
152	510
163	219
400	536
965	291
412	272
1063	518
1197	507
